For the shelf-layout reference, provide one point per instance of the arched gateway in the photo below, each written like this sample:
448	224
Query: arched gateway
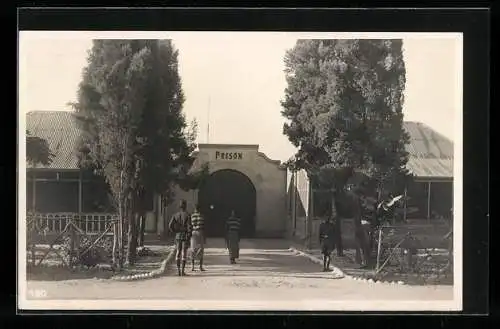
243	179
227	190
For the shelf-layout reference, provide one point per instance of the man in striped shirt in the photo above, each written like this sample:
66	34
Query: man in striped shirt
197	237
233	225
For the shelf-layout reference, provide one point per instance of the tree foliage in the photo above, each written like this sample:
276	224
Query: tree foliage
134	132
344	106
37	151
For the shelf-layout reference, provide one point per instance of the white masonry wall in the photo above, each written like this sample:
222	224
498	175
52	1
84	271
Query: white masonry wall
268	177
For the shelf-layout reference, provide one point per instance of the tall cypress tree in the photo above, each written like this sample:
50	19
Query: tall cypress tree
134	132
344	109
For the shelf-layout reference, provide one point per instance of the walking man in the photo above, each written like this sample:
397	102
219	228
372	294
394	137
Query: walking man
233	225
327	241
180	224
197	238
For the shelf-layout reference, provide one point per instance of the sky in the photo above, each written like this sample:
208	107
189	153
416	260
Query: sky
235	80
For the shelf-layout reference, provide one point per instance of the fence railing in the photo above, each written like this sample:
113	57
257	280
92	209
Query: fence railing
429	235
54	223
69	236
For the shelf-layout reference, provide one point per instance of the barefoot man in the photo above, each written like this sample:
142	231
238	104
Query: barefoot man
197	238
180	224
327	241
233	237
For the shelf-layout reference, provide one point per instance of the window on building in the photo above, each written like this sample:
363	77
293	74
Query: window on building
54	196
416	207
45	174
29	195
441	199
69	175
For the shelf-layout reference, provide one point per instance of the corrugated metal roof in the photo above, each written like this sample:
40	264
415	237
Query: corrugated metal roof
430	153
431	168
60	130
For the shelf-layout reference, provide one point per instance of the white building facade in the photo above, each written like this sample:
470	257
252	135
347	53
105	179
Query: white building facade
243	180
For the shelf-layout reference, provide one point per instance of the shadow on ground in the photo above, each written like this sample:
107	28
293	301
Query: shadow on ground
264	262
257	244
53	273
219	242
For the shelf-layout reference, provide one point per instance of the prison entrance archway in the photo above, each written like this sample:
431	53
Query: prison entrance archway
223	191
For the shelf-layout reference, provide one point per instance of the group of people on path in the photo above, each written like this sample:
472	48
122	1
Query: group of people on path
189	230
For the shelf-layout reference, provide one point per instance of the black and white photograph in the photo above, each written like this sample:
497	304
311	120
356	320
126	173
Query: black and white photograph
298	171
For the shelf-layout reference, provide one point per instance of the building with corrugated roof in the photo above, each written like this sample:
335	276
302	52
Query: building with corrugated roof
242	179
431	163
59	186
429	195
63	187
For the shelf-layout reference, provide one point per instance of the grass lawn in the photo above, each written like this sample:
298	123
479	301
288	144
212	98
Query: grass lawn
53	269
429	270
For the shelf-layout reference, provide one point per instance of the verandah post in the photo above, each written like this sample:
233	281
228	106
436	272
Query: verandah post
429	200
33	199
74	235
379	247
405	203
72	241
80	193
294	202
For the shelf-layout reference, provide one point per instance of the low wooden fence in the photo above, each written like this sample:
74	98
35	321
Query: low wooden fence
53	229
429	234
400	248
90	223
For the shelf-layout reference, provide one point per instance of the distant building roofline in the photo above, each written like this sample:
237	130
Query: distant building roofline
220	145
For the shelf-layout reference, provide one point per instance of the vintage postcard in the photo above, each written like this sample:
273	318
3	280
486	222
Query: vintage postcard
240	171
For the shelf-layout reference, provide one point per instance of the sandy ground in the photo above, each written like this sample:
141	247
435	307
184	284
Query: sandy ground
266	270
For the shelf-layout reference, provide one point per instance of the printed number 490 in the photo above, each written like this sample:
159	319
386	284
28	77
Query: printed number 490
37	293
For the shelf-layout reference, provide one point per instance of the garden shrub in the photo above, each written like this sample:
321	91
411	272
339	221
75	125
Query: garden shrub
99	253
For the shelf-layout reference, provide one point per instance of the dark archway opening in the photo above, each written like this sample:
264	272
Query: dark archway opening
223	191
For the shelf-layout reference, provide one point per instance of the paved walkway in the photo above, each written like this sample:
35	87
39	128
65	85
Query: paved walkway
266	271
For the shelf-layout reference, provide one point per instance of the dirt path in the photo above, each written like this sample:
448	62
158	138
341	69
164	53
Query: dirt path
269	274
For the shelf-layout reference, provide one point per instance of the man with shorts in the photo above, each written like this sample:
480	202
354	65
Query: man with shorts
327	241
197	238
180	224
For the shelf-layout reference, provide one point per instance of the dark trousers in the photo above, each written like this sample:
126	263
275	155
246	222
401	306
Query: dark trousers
233	244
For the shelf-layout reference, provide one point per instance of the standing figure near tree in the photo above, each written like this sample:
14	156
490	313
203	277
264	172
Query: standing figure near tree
180	224
327	241
233	225
197	238
361	227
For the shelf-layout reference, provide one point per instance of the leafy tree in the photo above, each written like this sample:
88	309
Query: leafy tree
344	105
37	150
111	99
134	132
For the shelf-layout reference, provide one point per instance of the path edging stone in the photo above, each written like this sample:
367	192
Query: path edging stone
339	271
151	274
